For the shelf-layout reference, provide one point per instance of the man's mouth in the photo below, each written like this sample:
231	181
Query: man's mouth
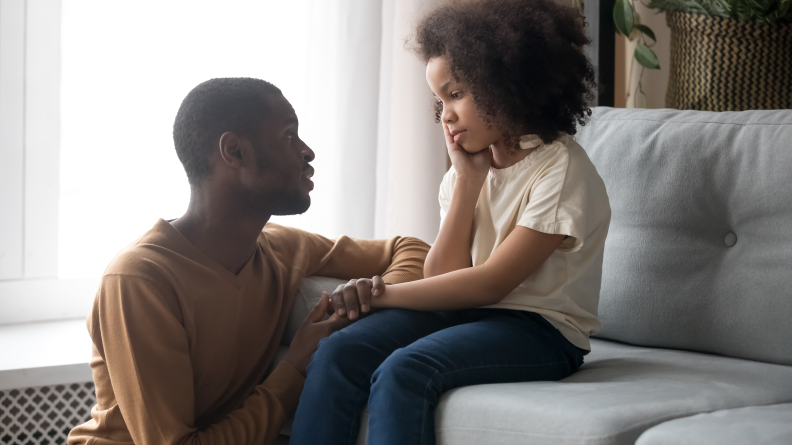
307	175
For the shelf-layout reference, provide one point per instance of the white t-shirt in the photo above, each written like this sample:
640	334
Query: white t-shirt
554	190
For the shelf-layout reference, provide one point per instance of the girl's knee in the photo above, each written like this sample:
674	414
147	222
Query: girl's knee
406	367
334	352
345	356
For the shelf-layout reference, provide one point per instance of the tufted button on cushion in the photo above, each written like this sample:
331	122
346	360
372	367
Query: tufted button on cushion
678	182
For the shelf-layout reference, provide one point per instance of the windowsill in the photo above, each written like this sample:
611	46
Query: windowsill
44	353
44	299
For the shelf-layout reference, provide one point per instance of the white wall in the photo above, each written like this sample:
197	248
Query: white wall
654	82
29	138
12	131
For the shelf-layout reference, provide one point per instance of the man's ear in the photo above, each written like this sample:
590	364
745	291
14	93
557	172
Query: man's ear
232	149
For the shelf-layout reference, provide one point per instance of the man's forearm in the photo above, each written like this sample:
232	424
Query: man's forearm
407	264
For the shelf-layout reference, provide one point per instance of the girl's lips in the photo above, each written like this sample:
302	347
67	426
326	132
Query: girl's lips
457	135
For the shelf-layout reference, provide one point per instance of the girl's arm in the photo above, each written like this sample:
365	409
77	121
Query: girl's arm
451	250
520	254
448	253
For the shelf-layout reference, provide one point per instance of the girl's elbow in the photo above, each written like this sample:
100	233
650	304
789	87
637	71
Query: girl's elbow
496	296
496	289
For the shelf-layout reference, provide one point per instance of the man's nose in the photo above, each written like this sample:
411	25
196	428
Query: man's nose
307	154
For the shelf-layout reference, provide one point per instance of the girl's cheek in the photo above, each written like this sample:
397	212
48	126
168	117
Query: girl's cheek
473	146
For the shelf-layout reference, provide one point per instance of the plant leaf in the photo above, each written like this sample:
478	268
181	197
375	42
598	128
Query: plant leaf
640	101
646	57
623	17
646	30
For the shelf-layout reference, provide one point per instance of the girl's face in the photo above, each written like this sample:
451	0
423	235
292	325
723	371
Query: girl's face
459	109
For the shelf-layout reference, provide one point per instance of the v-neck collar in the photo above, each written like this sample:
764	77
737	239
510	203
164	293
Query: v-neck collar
184	247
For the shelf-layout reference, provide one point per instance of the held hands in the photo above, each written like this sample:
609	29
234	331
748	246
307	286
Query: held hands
354	298
310	332
348	302
472	166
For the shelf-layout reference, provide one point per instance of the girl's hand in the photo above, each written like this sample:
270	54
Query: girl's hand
471	166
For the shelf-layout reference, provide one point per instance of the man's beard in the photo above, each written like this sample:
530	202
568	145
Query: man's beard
293	203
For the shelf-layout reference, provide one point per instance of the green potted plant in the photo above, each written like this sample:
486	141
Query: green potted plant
725	54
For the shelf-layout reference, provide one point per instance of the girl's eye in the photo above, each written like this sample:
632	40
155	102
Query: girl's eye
456	95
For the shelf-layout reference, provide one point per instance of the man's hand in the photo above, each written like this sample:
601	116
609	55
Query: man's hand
354	298
310	332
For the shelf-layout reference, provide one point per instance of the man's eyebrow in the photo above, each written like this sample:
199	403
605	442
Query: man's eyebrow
292	120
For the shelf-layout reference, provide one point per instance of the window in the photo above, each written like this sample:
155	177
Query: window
126	68
89	91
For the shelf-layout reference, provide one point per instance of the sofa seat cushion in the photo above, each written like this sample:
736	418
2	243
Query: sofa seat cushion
770	425
620	392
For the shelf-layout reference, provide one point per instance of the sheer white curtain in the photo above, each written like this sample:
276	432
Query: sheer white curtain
411	152
361	99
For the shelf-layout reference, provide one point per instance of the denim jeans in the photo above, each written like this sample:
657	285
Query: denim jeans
400	362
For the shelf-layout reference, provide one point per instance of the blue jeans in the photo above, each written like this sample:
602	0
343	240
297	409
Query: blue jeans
400	362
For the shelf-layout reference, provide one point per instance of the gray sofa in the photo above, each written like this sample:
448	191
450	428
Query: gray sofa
696	296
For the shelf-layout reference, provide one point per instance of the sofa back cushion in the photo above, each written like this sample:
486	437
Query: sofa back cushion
699	252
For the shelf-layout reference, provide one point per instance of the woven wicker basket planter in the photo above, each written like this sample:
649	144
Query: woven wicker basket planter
723	64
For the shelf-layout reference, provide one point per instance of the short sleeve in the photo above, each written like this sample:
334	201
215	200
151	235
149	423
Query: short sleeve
446	189
557	202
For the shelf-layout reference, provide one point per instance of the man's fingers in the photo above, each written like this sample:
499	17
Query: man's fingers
318	312
351	299
335	322
330	309
364	294
377	286
338	301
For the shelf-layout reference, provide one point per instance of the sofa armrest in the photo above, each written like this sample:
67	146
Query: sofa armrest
305	300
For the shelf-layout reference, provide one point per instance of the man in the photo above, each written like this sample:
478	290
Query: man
188	318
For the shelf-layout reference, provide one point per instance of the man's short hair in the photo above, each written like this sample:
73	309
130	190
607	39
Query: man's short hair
235	104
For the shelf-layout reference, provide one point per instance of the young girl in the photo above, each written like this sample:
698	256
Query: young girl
512	282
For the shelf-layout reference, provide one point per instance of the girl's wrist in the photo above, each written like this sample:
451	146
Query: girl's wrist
381	300
467	186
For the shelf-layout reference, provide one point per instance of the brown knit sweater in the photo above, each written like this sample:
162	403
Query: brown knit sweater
181	345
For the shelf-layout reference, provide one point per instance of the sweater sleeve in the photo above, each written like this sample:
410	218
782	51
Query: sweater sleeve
397	260
147	355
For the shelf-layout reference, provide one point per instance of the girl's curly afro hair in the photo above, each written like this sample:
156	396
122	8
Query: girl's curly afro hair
522	59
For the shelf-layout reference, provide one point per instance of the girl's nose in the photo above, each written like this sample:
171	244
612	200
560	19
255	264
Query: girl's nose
448	115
